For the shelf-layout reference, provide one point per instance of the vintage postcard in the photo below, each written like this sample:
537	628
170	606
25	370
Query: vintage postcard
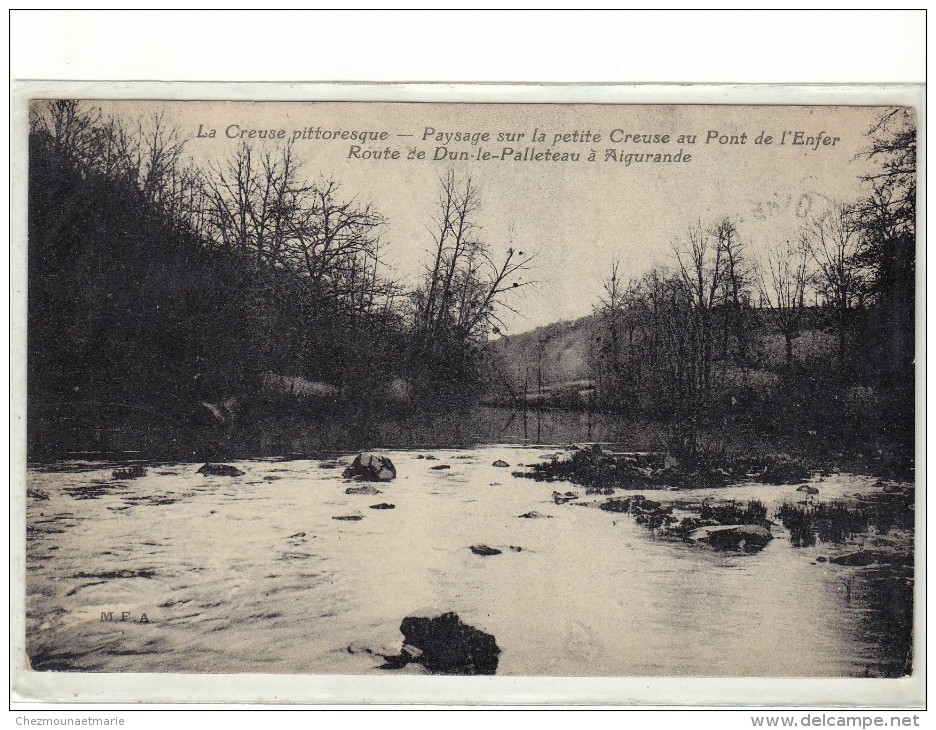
376	390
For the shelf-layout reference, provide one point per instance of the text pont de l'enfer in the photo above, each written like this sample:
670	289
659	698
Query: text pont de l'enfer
437	144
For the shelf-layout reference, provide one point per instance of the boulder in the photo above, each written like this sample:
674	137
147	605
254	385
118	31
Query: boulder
370	467
440	467
749	538
858	559
367	491
501	463
348	518
485	550
446	645
383	505
134	471
563	498
534	515
220	470
616	505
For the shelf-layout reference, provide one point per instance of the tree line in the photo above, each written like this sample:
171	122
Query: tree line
160	282
686	342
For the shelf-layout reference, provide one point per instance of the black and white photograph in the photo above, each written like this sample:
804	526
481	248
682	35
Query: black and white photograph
530	390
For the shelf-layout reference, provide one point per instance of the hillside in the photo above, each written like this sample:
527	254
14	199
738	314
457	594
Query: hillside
558	362
542	360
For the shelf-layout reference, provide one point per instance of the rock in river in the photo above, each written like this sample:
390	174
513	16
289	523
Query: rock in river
446	645
220	470
370	467
134	471
367	491
500	463
859	558
616	505
534	515
485	550
749	538
383	505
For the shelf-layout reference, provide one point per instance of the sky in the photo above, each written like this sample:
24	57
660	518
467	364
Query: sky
578	217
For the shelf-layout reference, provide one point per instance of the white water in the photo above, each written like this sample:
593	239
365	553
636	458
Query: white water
228	584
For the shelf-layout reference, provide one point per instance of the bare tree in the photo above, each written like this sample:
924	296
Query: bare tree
231	187
783	287
701	267
833	241
736	282
465	286
334	241
74	128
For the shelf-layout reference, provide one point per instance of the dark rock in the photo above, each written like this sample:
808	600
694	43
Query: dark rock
134	471
484	550
515	548
348	518
370	467
749	538
367	491
440	467
37	494
446	645
534	515
808	489
855	559
298	534
383	505
822	559
685	527
270	479
220	470
616	505
500	463
563	498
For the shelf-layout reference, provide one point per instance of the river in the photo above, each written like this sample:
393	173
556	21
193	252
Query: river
253	574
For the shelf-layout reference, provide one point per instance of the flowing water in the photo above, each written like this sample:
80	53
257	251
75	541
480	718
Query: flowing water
253	574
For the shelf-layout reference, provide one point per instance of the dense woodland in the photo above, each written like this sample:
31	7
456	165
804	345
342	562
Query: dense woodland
690	344
168	301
